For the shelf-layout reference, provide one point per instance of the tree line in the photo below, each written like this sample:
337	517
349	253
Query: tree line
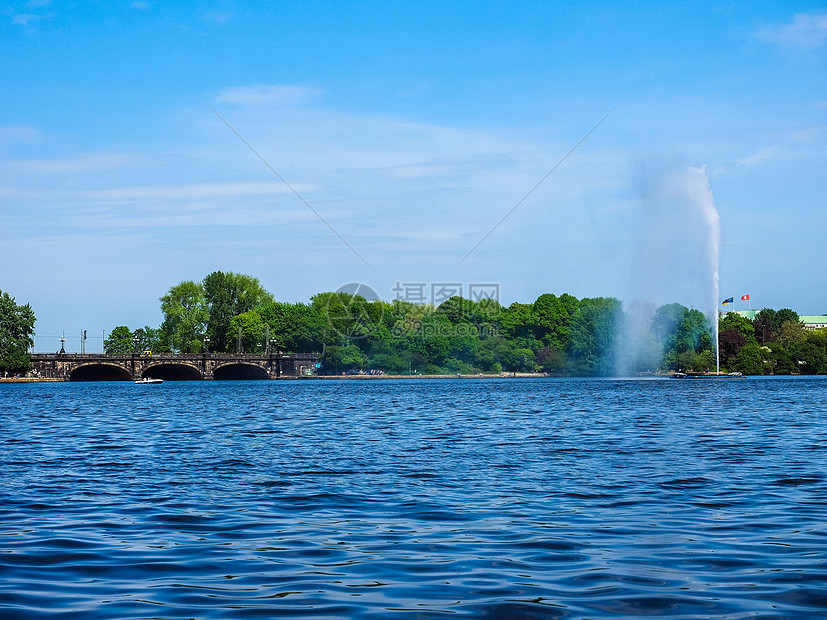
559	335
774	342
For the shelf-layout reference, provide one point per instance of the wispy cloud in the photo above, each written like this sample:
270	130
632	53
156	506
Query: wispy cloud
766	155
19	134
789	146
265	94
807	31
219	17
28	17
24	19
80	163
191	191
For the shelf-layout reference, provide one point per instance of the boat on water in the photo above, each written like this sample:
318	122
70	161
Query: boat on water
148	380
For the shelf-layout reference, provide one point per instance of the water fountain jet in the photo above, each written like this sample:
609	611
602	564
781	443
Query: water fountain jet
678	250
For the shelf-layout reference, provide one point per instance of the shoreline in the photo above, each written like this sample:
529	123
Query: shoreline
31	379
368	377
505	375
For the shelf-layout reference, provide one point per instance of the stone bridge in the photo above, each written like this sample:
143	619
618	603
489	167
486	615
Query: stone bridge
174	367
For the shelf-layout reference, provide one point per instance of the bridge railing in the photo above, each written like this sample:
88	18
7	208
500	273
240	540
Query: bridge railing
173	356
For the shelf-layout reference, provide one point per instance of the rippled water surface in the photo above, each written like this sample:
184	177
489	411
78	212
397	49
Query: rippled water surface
415	499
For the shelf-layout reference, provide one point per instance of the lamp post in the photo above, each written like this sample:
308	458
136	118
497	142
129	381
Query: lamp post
204	364
134	353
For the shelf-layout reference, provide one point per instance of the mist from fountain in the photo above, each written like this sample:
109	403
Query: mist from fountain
677	254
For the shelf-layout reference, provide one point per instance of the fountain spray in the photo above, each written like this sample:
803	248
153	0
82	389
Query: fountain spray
706	204
678	247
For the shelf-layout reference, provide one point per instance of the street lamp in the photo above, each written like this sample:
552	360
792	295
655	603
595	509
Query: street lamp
206	345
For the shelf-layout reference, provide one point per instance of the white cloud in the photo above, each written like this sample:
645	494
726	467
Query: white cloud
193	191
80	163
765	155
23	19
807	30
264	94
419	171
19	134
219	17
790	145
381	177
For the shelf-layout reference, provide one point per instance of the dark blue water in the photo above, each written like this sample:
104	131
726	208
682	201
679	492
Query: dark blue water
415	499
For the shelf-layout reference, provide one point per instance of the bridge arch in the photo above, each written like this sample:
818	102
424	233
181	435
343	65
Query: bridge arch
172	371
99	372
239	371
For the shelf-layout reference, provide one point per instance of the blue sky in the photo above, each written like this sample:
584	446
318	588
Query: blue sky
411	129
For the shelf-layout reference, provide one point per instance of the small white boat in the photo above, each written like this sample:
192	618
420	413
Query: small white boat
148	380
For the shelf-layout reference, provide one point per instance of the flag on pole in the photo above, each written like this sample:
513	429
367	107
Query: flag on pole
729	300
745	297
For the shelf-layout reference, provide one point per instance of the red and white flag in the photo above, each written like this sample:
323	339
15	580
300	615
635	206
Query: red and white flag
745	297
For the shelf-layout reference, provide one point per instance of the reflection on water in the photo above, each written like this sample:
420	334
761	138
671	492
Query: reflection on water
415	499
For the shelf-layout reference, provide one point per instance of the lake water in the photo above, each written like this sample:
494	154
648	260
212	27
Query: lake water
452	498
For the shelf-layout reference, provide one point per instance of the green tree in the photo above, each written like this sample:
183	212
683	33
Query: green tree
298	328
495	354
740	324
348	318
672	328
791	332
456	309
682	331
185	317
749	360
486	313
686	360
337	359
149	339
781	361
120	341
463	346
705	361
228	295
782	316
434	338
552	319
730	342
16	334
763	325
520	324
247	331
768	323
551	360
594	336
811	355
